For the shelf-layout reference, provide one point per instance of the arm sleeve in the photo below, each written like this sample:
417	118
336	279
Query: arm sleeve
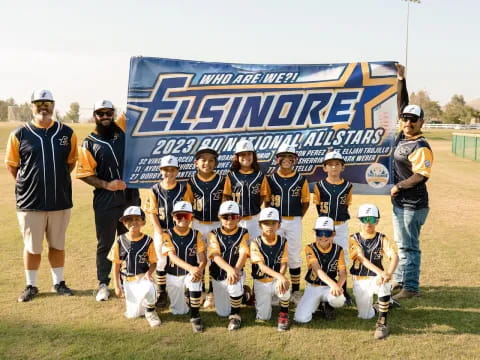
341	262
86	164
316	195
305	192
402	95
255	254
12	152
151	205
73	155
421	160
227	189
121	121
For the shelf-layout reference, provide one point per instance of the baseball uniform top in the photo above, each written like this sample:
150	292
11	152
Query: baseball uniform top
246	189
331	261
104	157
135	255
273	255
160	201
205	195
43	157
186	246
333	199
228	245
373	249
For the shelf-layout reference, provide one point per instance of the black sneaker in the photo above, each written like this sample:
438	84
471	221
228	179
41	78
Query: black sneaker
162	300
197	325
348	299
28	293
329	312
320	310
234	322
62	289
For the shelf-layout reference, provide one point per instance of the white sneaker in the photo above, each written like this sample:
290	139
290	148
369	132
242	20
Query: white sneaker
296	297
153	318
102	293
209	301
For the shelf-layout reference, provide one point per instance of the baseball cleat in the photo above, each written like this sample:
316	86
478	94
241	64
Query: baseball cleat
153	318
329	312
102	293
348	299
163	300
283	322
197	325
248	296
28	293
209	301
234	322
381	331
296	297
62	289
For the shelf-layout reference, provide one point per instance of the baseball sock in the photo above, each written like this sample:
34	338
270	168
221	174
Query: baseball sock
162	281
31	276
383	304
210	286
195	303
57	275
295	277
235	302
284	306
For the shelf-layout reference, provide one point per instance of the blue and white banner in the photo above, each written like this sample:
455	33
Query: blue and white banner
176	106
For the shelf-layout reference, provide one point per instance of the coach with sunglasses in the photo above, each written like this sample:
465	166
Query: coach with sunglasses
412	161
100	164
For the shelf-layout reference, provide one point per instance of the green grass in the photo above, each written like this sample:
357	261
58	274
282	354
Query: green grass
443	323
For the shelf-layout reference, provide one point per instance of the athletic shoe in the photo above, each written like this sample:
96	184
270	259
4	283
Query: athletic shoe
163	300
102	293
234	322
396	288
248	296
405	294
329	312
348	299
381	331
152	318
283	322
296	297
62	289
197	325
320	310
28	293
209	301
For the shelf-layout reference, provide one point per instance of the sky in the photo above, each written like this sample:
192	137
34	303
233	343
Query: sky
80	50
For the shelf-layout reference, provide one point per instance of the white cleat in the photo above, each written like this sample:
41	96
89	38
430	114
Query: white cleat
153	318
102	293
296	297
209	301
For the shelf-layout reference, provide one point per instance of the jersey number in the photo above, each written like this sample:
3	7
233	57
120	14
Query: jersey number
236	197
198	204
324	207
161	213
276	200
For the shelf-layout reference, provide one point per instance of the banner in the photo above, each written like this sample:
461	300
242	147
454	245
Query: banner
176	106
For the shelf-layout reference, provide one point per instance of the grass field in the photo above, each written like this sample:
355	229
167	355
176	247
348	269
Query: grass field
443	323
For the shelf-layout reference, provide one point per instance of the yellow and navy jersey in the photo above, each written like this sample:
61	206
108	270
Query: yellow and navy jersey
412	156
373	248
333	199
104	157
160	201
228	245
246	189
272	255
205	195
134	255
288	193
331	261
186	246
43	157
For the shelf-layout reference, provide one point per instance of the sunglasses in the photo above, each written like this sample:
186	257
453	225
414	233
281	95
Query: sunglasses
109	113
181	216
230	217
412	119
369	220
42	103
324	233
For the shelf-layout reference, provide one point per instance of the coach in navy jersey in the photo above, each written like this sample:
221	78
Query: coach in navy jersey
412	161
40	156
100	164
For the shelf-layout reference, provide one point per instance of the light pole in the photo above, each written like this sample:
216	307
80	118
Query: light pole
406	35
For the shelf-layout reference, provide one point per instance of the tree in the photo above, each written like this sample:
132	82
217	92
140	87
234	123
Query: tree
58	116
458	112
73	115
432	109
4	104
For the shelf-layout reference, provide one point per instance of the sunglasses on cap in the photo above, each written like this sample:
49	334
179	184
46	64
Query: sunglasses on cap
412	119
230	217
181	216
325	233
43	102
100	113
369	220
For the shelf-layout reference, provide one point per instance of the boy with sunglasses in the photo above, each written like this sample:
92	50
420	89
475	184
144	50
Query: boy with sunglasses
269	257
228	250
367	250
160	202
186	262
326	274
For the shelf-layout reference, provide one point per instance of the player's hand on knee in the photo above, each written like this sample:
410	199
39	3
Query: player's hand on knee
196	273
232	276
282	284
148	276
336	290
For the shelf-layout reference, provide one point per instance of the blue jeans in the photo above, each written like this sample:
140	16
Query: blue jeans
406	231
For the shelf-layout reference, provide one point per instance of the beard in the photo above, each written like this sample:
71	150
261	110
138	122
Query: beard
107	132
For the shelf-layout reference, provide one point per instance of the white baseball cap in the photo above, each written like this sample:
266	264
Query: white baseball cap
206	149
243	146
324	223
412	110
168	160
269	213
132	211
182	206
42	95
368	210
103	104
286	149
333	155
229	207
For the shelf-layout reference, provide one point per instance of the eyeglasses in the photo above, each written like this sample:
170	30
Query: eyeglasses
323	233
181	216
369	220
109	113
412	119
230	217
43	102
